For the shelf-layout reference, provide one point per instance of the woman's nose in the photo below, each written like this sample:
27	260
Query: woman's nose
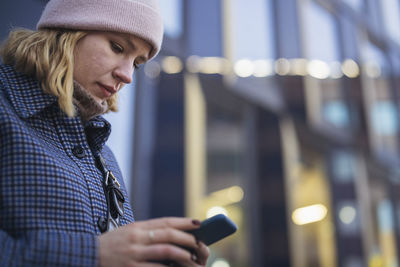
124	72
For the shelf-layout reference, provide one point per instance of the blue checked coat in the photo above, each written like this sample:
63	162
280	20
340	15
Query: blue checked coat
51	193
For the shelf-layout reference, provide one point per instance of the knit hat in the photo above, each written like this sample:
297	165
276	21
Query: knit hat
141	18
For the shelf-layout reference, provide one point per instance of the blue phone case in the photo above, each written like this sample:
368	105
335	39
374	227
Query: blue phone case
214	229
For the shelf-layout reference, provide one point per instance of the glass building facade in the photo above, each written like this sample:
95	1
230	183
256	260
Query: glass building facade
282	114
289	125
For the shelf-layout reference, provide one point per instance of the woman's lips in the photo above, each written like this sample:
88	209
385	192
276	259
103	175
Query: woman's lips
106	90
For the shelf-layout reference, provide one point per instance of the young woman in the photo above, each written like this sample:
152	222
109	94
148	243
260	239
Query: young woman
62	197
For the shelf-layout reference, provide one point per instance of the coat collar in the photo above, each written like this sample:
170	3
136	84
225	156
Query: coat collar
24	92
28	99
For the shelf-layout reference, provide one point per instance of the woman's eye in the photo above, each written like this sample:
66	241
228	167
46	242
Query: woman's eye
116	47
136	65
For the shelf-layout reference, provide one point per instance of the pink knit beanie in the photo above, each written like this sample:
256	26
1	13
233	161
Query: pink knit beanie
138	17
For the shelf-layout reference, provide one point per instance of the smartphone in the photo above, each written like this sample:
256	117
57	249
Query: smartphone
210	231
214	229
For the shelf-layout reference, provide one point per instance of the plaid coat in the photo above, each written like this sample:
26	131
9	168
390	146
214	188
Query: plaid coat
51	194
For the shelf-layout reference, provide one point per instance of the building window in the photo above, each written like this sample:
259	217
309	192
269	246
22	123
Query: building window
336	113
216	166
391	18
320	33
355	4
343	166
326	103
381	109
249	39
384	118
172	17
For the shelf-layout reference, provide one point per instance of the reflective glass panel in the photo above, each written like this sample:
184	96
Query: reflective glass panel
355	4
225	187
336	113
384	118
384	236
251	29
383	112
320	33
325	98
343	166
172	17
391	18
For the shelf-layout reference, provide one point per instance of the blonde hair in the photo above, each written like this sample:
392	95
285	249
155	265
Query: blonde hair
48	55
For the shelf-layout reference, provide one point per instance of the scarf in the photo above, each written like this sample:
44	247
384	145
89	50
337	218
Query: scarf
86	105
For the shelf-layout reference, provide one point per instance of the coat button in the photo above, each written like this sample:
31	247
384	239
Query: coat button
102	224
78	152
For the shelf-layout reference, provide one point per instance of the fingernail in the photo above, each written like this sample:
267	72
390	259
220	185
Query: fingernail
196	222
194	257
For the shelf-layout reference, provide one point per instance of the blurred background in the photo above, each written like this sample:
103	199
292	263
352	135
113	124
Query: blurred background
282	114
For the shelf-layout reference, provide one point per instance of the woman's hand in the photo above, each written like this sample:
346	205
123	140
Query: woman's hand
151	242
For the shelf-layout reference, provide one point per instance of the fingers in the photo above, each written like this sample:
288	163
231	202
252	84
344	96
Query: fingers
202	253
183	224
167	237
166	252
198	251
153	242
170	235
151	264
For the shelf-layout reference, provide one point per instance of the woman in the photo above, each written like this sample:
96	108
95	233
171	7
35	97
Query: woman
62	197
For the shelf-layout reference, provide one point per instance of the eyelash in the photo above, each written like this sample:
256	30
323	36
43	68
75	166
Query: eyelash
116	47
119	49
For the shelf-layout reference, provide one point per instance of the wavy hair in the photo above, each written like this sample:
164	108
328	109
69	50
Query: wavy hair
48	55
